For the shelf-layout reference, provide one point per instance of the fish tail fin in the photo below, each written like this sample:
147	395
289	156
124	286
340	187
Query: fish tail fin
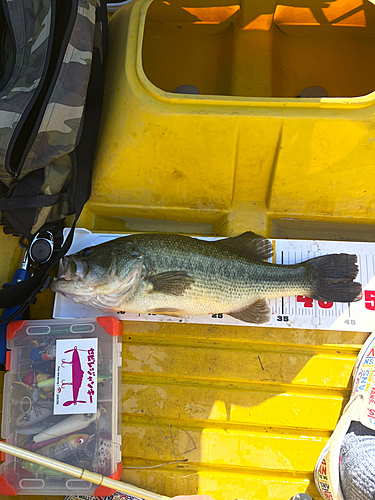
333	277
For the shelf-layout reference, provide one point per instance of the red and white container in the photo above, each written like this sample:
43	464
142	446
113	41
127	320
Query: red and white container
62	399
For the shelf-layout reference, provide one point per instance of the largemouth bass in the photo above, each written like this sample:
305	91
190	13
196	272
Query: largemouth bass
181	276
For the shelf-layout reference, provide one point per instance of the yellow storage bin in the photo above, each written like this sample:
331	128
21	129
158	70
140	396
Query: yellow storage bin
246	152
246	410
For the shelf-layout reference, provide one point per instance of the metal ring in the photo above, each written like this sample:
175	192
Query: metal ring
30	404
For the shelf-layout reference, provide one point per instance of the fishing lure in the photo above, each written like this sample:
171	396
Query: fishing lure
38	379
45	366
27	431
38	470
66	448
37	414
43	353
71	424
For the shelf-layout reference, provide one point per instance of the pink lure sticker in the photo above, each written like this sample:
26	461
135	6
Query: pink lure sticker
76	376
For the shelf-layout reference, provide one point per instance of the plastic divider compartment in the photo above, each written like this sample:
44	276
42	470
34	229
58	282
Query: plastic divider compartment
28	420
261	48
246	150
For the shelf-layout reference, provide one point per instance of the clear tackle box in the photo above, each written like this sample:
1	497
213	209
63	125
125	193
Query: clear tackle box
62	399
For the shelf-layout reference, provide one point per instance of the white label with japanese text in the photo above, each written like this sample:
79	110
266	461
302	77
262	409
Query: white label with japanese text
76	376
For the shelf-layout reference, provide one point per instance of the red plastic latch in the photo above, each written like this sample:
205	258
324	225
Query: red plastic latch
13	328
111	325
102	491
6	488
2	453
7	360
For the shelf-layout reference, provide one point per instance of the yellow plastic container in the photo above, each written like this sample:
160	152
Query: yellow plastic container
249	409
245	152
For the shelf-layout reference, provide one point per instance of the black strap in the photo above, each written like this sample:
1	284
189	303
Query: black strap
23	293
42	200
3	30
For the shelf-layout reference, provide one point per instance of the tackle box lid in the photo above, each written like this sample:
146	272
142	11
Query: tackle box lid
61	399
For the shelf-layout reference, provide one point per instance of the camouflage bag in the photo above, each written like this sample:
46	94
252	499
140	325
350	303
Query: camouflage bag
51	86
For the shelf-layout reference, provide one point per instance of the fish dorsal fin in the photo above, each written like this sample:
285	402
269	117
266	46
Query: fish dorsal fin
256	313
171	282
255	246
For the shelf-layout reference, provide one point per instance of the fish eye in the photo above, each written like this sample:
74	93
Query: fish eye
86	252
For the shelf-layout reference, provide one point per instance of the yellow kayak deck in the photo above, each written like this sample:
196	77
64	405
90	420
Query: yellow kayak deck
235	412
250	409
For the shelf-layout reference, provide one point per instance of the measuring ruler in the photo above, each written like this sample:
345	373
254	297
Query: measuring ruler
287	312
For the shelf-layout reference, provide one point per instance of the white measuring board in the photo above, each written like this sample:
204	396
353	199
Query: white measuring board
287	312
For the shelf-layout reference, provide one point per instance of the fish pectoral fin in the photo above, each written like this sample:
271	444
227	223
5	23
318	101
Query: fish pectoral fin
169	311
255	246
257	313
171	282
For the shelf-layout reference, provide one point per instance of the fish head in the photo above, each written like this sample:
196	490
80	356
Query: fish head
101	276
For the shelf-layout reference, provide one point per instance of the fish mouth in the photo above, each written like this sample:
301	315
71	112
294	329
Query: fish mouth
73	269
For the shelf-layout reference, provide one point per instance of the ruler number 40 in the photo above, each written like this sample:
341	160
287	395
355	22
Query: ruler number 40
307	302
369	301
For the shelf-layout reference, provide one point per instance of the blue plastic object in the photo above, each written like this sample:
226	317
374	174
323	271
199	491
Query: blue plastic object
19	275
